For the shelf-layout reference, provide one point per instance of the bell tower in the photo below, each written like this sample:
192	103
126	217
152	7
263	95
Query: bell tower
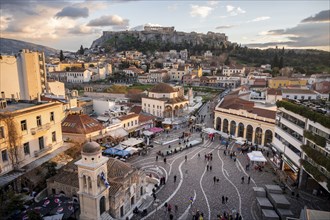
93	185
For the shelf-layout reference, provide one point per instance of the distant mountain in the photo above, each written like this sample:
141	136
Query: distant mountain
9	46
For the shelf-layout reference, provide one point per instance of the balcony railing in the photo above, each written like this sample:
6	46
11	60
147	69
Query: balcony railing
41	128
37	153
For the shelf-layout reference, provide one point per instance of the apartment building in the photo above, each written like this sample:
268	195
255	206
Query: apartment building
302	142
28	131
23	76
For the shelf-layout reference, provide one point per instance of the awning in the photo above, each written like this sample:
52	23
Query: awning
102	118
132	150
114	151
240	141
156	129
132	142
257	156
210	131
119	132
148	133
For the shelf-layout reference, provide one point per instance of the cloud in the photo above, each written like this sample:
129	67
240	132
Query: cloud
233	11
322	16
225	26
213	3
304	35
83	30
263	18
202	11
230	8
109	20
73	12
173	7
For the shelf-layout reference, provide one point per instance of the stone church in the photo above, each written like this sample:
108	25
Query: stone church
102	184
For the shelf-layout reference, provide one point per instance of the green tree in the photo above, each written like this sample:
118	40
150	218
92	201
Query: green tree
281	63
61	55
81	50
275	61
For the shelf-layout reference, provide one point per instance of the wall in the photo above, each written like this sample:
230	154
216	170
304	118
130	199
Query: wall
102	106
9	81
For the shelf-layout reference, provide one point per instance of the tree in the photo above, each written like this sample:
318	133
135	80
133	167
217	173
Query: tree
227	61
275	61
12	139
281	63
81	50
61	55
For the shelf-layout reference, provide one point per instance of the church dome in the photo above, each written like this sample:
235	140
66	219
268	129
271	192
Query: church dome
91	148
162	88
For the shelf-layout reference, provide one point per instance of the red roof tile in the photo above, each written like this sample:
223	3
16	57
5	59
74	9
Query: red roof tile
80	124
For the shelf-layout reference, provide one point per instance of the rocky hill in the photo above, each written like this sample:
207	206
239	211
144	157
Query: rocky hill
11	46
161	41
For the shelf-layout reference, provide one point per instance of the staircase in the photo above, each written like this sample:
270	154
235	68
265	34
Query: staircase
106	216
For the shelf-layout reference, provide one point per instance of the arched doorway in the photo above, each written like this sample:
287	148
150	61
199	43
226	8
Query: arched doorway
225	126
176	111
240	130
168	111
102	205
268	137
233	128
249	133
218	124
258	136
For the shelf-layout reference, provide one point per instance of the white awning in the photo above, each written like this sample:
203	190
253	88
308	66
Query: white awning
240	141
148	133
257	156
210	131
132	150
102	118
132	142
119	132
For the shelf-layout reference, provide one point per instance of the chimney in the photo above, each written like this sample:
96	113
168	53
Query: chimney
3	95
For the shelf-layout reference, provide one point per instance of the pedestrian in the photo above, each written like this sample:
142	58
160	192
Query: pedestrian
164	159
154	195
169	208
171	216
210	167
185	157
169	146
223	199
247	167
199	155
214	179
267	153
249	180
242	179
174	178
176	208
225	152
207	167
156	157
226	199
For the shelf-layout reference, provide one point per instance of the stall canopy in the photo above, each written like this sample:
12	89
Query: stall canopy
148	133
156	129
117	152
132	142
240	141
210	131
132	150
256	156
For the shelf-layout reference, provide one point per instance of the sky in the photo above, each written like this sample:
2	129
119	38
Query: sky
67	24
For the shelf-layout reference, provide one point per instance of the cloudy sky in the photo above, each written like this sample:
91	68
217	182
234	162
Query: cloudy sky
67	24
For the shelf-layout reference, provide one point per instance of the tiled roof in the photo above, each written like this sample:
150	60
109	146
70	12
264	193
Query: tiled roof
162	88
80	124
144	118
136	109
125	117
301	91
274	91
233	102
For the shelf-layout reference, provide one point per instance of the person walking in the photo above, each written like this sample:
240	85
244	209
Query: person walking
199	155
164	159
223	199
176	208
171	216
174	178
226	199
169	208
156	157
210	167
185	157
242	179
214	179
249	180
207	167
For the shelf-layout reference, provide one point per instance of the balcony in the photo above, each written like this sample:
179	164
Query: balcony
39	129
38	153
